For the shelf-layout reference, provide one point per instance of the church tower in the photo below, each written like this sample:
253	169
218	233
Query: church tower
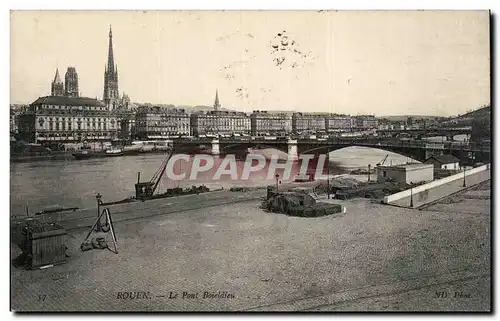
216	103
111	96
71	82
57	88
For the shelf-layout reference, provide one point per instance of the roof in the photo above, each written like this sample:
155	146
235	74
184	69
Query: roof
444	159
68	101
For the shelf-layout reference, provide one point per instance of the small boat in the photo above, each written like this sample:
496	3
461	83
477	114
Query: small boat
83	154
131	150
114	152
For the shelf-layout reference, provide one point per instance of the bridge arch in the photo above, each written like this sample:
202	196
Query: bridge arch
400	150
403	135
257	145
433	134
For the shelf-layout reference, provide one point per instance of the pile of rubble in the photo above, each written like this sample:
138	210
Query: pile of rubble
299	204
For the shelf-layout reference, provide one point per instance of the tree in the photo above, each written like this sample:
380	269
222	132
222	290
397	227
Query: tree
481	128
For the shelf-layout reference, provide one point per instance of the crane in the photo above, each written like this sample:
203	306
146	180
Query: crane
383	160
144	190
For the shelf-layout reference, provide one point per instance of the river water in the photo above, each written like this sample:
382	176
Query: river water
74	183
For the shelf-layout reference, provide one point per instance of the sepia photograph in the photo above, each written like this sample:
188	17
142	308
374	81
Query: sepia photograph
250	160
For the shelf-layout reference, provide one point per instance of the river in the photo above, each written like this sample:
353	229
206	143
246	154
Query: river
73	183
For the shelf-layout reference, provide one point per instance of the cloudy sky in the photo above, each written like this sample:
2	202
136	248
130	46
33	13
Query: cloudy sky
356	62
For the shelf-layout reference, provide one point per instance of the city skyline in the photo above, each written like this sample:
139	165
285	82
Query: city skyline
247	59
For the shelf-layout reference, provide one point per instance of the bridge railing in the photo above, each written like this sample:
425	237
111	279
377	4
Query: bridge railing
368	141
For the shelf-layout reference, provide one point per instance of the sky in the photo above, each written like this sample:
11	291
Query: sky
354	62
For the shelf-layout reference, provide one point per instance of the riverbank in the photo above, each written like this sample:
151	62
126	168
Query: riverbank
85	218
371	258
68	155
53	156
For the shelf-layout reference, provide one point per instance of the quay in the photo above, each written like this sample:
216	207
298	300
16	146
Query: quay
83	218
371	258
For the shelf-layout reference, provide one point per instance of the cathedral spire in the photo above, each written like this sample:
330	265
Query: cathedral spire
111	62
57	86
57	79
216	103
111	94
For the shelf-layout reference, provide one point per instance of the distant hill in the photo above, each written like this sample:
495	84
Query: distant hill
467	118
405	117
483	111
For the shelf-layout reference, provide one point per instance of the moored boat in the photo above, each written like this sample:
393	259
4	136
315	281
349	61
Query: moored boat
131	150
86	154
114	152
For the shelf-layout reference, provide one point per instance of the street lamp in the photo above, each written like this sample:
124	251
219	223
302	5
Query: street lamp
328	173
411	194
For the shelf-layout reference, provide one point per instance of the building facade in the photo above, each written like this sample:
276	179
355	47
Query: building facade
153	122
446	161
126	120
406	173
338	123
56	119
263	123
15	111
111	95
218	122
366	122
302	122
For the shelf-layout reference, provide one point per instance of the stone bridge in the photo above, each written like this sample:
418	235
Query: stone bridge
449	133
415	149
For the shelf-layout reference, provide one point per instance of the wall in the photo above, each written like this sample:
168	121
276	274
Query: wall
440	188
451	166
415	175
421	174
398	175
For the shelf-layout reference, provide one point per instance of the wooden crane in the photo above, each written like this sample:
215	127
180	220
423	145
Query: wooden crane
145	190
383	160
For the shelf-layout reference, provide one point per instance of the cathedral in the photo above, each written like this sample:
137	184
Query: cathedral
70	86
111	95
